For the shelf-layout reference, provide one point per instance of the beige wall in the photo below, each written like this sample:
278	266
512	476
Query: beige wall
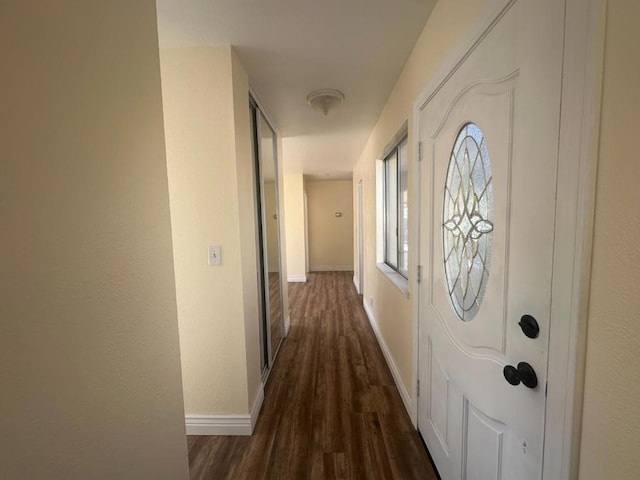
611	424
89	355
294	210
330	237
205	93
390	306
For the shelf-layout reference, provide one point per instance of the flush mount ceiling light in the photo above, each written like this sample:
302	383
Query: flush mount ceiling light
325	100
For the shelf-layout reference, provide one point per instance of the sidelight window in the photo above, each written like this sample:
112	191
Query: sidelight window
396	208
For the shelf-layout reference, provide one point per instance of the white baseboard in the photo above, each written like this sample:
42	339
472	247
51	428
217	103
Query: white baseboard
257	405
297	278
355	284
331	268
226	424
404	393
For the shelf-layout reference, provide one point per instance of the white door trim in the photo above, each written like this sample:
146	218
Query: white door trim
578	155
578	149
306	233
360	236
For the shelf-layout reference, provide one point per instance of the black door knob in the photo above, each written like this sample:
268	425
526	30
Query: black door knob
529	326
523	373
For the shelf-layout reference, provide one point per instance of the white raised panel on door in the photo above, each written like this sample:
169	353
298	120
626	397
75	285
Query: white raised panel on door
475	424
483	445
490	106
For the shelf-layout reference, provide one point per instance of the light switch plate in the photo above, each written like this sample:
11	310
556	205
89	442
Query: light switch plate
215	255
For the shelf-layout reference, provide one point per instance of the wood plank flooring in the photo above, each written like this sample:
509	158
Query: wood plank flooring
331	409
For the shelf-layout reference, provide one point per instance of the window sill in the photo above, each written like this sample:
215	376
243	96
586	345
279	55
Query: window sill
394	277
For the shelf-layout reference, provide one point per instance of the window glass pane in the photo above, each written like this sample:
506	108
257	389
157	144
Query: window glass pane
468	222
403	210
391	209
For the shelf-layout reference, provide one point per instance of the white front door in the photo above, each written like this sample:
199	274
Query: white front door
488	186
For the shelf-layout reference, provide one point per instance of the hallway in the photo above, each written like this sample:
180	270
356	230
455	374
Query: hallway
331	409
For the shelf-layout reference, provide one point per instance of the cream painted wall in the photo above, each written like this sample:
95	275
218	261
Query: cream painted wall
205	93
89	353
294	210
330	237
611	417
391	307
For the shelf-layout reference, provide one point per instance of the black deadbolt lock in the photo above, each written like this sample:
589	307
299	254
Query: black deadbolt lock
529	326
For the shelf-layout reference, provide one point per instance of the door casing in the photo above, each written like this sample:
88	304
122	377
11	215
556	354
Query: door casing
360	237
578	147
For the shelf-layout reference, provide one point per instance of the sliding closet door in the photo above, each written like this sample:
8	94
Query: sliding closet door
268	237
271	231
260	276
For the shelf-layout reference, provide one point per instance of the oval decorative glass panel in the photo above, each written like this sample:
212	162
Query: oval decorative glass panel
468	222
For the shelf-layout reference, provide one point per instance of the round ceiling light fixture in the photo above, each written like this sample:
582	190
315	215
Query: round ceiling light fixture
325	100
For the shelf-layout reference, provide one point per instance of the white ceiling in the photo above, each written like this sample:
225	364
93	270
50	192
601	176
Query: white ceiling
292	47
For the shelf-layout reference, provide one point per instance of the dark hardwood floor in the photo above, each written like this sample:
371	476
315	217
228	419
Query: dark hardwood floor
331	409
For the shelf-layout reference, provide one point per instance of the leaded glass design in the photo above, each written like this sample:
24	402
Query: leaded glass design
468	222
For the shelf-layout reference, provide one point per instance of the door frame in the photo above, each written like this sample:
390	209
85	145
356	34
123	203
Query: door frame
582	68
306	232
360	236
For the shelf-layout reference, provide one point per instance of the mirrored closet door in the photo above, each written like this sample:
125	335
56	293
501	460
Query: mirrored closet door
268	236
